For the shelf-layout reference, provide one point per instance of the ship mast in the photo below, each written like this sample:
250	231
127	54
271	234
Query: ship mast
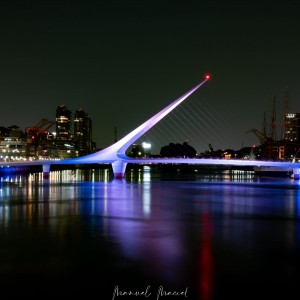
285	119
264	131
273	121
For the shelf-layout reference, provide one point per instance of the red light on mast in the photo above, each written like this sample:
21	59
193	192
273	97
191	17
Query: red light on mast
207	77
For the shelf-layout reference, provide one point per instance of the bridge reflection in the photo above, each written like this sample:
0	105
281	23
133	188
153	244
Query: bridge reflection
208	236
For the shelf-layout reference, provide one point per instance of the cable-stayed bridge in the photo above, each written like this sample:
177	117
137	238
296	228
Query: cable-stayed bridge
116	153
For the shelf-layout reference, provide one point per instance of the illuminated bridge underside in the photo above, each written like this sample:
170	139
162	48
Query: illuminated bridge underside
295	167
124	160
115	154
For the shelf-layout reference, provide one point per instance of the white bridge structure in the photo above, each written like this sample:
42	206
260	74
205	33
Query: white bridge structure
116	153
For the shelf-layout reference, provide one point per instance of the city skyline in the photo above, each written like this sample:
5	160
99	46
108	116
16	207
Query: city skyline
52	120
124	62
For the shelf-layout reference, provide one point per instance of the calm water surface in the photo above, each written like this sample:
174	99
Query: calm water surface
204	236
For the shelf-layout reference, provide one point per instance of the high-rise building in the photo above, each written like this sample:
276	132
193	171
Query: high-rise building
64	139
83	132
292	130
12	144
63	123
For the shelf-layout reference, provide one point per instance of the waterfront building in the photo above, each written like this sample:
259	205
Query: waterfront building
15	131
63	123
64	139
292	130
83	132
12	144
12	148
4	131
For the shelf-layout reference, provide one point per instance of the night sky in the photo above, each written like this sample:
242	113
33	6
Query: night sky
123	61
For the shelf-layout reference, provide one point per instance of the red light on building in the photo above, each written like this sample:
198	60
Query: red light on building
207	77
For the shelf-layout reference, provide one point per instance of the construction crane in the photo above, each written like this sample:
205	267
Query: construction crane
37	135
43	122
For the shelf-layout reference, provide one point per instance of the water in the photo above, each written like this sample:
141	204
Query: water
203	236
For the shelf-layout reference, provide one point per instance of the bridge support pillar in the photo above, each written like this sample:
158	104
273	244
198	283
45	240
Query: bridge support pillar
46	171
119	168
296	173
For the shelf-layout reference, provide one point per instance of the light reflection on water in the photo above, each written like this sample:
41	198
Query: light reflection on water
213	233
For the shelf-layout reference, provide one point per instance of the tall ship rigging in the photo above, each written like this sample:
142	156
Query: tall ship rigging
284	148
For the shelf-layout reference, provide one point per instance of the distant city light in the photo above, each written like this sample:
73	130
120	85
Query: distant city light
290	116
68	145
146	145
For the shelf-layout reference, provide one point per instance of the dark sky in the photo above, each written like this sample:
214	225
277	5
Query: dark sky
123	61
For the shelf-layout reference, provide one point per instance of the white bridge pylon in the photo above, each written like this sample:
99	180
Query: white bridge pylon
115	154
